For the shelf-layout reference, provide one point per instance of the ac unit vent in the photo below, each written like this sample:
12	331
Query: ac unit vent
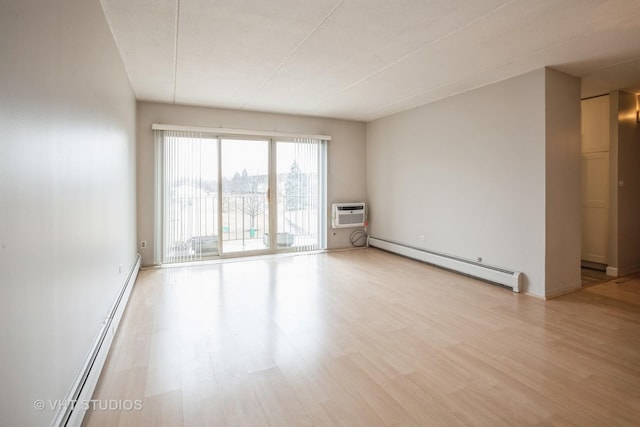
345	215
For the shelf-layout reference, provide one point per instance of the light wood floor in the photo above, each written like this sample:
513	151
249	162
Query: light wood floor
366	338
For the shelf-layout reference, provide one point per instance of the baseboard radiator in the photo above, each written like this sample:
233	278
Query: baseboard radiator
512	279
85	384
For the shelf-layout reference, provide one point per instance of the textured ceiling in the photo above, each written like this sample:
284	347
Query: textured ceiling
364	59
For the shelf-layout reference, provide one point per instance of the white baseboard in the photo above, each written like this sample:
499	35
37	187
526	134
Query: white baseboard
563	290
612	271
535	295
85	384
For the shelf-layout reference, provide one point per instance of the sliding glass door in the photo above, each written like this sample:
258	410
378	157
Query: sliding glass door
222	196
245	195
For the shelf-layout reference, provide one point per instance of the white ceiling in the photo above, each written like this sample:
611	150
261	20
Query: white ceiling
364	59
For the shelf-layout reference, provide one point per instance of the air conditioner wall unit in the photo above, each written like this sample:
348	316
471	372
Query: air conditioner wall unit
344	215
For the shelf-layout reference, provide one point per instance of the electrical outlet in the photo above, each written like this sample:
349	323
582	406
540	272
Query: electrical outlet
143	244
422	237
120	269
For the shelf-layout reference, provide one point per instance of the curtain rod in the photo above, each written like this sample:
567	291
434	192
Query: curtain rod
229	131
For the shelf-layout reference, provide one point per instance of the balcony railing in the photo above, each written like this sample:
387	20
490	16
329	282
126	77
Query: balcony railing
193	224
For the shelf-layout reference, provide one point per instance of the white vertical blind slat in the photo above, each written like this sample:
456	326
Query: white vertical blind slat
185	196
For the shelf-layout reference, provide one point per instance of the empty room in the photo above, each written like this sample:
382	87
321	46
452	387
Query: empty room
320	213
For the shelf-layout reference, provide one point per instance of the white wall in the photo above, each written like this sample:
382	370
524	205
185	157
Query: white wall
468	172
629	194
491	173
563	189
346	155
67	195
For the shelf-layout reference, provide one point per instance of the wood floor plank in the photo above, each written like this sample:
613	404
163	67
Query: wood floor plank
367	338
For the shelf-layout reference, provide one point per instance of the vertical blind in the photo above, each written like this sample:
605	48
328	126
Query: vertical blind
190	205
189	192
301	197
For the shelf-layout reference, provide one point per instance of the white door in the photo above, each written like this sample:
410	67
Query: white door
595	207
595	179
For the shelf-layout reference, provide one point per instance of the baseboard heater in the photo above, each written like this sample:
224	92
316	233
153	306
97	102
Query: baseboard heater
85	384
512	279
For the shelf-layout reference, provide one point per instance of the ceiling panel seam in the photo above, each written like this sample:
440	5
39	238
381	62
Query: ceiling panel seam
417	51
407	60
285	60
615	64
486	69
175	51
373	114
119	47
